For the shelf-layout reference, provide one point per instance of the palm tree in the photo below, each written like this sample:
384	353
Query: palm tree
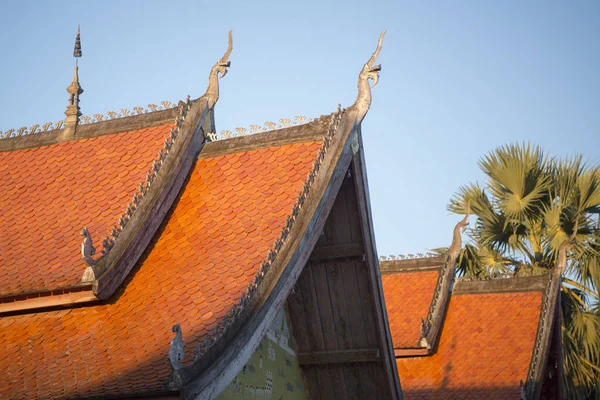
528	207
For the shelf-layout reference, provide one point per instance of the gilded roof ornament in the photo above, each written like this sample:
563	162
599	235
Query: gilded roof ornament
218	71
368	72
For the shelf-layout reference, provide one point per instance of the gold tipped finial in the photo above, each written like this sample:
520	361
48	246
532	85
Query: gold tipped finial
73	111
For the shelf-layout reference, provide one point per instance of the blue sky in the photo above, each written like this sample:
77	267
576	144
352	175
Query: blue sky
458	80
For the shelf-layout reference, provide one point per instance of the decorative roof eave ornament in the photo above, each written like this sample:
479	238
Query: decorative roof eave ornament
254	129
409	256
369	72
548	317
219	70
430	328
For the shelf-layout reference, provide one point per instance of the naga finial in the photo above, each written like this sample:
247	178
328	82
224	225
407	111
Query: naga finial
458	230
369	71
218	71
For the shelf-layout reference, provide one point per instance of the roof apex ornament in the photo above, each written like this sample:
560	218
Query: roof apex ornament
73	111
369	71
212	92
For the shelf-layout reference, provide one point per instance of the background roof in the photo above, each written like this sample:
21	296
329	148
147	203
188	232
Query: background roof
457	80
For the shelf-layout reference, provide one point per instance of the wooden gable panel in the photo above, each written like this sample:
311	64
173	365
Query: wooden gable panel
333	311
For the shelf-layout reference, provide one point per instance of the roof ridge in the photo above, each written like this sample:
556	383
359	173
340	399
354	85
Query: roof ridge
548	318
246	302
432	325
87	248
494	278
500	285
124	112
48	127
409	256
268	127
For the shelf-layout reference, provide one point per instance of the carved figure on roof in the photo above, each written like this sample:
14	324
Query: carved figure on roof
176	349
87	252
368	72
87	247
218	71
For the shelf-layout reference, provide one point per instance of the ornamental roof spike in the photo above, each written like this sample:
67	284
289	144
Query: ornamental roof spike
73	112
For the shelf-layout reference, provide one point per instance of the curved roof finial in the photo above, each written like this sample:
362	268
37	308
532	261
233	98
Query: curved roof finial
218	71
460	227
369	71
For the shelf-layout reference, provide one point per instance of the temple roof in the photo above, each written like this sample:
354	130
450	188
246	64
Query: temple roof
189	246
210	248
405	316
488	334
484	351
50	192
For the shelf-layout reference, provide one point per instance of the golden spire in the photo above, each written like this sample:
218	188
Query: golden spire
73	111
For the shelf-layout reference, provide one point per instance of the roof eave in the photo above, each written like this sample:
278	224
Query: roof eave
549	317
366	218
64	297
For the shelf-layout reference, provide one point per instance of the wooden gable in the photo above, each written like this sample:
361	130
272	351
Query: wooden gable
336	310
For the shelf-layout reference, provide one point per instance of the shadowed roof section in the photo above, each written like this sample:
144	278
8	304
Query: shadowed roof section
201	262
408	297
49	193
484	351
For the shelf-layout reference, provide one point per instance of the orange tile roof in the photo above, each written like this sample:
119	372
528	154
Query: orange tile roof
50	193
484	350
221	228
408	297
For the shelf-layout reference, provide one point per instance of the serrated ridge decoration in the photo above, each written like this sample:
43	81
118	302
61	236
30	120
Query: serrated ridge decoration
241	308
417	256
110	239
85	120
253	129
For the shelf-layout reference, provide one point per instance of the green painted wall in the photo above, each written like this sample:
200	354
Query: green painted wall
273	371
